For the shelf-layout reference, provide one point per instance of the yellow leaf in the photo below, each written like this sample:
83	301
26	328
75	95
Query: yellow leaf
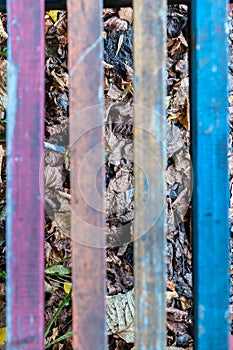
168	101
2	336
183	120
182	117
185	303
231	99
53	14
3	34
67	287
171	295
173	116
55	333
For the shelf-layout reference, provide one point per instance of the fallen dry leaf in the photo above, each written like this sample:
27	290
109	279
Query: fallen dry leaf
171	295
3	33
109	12
116	23
48	23
126	13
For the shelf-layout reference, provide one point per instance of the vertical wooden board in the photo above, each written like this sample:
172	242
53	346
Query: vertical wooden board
87	173
25	214
211	190
149	169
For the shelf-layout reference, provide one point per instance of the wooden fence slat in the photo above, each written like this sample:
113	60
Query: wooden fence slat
61	4
87	176
25	214
150	158
211	192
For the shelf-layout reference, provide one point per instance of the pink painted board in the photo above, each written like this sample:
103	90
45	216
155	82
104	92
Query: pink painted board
25	213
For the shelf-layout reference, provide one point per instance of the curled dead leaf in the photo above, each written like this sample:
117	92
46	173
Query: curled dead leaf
126	13
129	73
3	78
171	295
109	12
48	23
61	29
182	117
116	23
3	33
185	303
171	284
120	315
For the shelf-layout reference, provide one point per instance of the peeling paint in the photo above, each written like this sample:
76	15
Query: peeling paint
23	301
85	54
209	130
11	116
211	191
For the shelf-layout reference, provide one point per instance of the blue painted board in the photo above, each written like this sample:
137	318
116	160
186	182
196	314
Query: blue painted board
211	191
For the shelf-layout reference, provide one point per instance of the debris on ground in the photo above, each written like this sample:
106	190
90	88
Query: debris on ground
119	194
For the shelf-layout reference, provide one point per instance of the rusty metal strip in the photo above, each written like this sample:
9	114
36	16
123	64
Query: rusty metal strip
149	168
25	211
87	173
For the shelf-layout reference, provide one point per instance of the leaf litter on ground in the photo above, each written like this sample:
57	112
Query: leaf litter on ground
118	92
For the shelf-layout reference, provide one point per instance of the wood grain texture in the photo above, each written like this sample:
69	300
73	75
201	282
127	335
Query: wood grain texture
211	191
149	170
87	174
25	213
61	4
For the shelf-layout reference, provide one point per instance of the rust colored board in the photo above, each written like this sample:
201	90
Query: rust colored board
87	173
149	169
25	214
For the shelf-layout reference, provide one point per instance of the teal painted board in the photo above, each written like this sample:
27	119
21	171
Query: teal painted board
211	191
149	170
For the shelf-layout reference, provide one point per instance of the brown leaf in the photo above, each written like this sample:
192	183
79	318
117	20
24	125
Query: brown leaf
108	69
53	177
182	117
62	223
176	320
61	29
114	93
3	78
185	303
126	13
109	12
175	139
3	33
48	23
116	23
129	73
171	295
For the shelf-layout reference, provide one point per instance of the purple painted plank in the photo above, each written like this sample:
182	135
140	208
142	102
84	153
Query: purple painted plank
25	214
